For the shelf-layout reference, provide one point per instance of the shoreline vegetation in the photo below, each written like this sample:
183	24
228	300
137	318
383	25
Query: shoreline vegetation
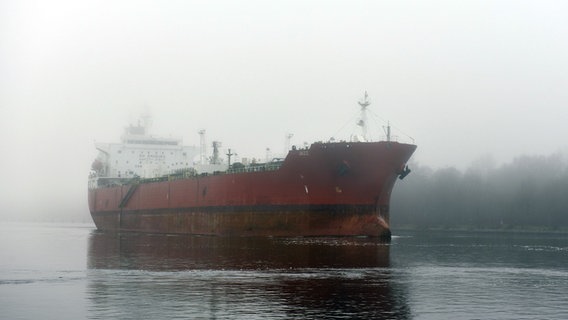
528	194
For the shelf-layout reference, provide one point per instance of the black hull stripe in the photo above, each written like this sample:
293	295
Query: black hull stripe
332	209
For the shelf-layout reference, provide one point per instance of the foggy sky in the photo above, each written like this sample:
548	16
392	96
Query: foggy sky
465	79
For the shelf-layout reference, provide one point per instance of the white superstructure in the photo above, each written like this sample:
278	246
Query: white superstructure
142	155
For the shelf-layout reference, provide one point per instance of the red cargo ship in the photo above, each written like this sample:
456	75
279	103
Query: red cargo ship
327	189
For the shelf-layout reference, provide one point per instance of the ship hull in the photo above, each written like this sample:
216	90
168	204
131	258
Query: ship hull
334	189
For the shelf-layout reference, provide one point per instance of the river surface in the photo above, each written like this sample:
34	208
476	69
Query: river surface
55	271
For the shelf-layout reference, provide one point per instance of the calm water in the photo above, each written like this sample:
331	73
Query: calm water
74	272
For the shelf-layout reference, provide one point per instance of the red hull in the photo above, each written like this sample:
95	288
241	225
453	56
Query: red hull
328	189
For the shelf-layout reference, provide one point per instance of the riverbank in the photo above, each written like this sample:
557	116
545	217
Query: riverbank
505	229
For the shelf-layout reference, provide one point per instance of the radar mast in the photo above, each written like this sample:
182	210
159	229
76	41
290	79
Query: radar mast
364	103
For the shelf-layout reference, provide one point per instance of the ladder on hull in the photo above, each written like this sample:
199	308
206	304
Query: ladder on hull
128	195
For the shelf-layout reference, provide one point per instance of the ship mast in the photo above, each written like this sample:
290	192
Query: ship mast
229	155
363	121
202	147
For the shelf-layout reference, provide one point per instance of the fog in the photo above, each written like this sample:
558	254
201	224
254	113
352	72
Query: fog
465	79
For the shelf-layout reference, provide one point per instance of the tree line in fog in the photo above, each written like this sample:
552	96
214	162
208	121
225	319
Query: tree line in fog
531	192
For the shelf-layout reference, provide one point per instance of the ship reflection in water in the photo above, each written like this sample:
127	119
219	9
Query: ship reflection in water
154	276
